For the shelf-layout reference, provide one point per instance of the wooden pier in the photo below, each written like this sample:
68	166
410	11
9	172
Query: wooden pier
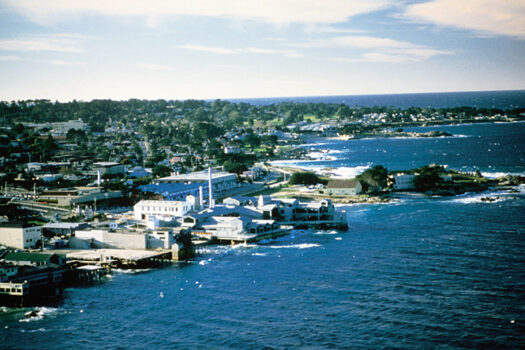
120	258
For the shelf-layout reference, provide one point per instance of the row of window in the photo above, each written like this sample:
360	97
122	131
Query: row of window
166	209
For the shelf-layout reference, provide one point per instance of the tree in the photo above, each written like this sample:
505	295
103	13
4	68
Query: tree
374	178
427	179
161	171
305	178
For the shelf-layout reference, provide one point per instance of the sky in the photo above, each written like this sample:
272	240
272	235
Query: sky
207	49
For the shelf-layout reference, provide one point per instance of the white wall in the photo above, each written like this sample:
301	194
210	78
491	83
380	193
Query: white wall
18	237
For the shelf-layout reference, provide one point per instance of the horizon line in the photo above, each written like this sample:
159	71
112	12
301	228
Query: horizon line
268	97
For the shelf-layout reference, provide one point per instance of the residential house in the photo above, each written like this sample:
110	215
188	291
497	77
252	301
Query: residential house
340	187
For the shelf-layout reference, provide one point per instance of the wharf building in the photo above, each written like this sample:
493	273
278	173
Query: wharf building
222	182
162	210
25	277
291	212
269	218
21	236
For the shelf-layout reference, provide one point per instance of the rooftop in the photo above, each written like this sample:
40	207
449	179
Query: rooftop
198	176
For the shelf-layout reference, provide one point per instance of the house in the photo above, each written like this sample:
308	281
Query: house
404	181
341	187
21	236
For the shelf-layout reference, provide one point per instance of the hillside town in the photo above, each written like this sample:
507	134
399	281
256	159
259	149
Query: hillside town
143	183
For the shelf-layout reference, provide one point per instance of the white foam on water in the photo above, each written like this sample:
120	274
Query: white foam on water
343	172
320	156
486	198
41	312
259	254
495	175
321	232
314	144
296	246
130	271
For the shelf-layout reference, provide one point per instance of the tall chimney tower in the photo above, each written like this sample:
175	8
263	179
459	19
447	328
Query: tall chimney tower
201	206
210	189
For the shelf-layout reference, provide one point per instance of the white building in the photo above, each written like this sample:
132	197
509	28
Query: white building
20	236
404	181
222	181
123	239
161	209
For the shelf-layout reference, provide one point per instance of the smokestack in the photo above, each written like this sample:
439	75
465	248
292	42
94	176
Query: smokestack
98	178
200	198
210	189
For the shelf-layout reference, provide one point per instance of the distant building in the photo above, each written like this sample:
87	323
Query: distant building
222	181
109	168
344	187
151	208
20	236
175	191
62	228
33	259
83	196
161	238
404	181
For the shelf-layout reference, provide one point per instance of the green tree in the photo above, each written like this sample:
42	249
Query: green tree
305	178
374	178
161	171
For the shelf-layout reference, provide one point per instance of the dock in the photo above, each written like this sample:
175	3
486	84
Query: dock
120	258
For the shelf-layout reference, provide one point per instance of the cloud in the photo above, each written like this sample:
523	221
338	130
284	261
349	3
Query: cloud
54	44
272	11
394	56
10	58
383	50
209	49
236	51
487	17
66	63
153	66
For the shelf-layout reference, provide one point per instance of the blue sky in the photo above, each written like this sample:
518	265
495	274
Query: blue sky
179	49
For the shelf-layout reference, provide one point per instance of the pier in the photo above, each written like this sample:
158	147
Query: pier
120	258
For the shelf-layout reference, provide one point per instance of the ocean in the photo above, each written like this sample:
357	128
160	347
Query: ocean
418	272
481	99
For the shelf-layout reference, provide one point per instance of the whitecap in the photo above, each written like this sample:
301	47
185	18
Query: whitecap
296	246
486	198
259	254
495	175
322	232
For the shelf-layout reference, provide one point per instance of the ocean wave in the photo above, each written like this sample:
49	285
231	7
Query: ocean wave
296	246
321	232
314	144
343	172
495	175
40	313
486	198
259	254
130	271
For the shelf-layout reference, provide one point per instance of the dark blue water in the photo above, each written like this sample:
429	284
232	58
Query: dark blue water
480	99
491	148
415	273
